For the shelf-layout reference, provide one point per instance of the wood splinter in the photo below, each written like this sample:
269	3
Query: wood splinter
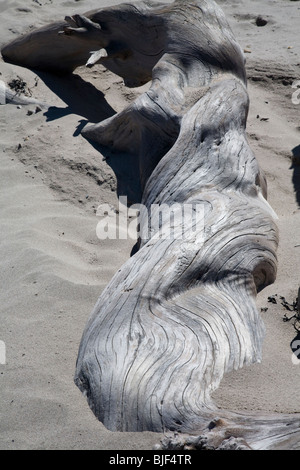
96	57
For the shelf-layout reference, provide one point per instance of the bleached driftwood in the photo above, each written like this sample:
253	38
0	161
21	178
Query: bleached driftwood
181	312
8	96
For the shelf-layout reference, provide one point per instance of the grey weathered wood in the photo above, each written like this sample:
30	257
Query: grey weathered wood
9	96
181	312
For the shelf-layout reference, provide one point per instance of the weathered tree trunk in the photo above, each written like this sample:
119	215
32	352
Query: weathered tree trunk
181	312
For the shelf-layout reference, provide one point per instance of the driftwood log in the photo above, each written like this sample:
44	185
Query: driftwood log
181	311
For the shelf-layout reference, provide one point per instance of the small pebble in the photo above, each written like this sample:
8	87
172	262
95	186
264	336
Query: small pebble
261	21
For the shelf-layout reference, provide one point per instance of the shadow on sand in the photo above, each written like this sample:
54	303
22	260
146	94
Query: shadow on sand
296	172
85	100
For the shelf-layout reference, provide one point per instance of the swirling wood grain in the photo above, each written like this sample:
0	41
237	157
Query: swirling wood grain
182	311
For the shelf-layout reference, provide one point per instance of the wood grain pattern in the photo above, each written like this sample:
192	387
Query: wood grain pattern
181	312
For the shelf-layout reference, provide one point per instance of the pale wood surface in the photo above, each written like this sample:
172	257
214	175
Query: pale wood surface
179	313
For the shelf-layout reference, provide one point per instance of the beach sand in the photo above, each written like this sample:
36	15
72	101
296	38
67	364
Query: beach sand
53	265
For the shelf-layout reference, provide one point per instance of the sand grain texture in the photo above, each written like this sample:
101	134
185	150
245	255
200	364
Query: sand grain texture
53	265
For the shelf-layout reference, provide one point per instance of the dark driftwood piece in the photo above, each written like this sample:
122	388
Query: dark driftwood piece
179	313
